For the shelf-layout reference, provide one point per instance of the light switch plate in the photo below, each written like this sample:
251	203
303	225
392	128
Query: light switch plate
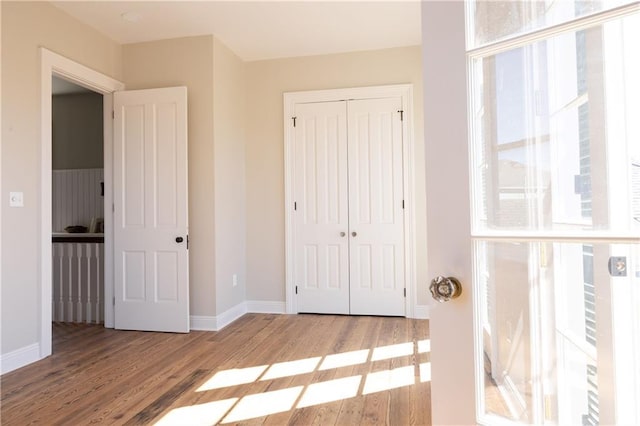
16	199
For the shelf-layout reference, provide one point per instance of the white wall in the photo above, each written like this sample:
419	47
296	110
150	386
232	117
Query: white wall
229	168
266	83
25	27
188	62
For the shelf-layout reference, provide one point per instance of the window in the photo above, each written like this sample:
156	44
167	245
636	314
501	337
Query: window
555	143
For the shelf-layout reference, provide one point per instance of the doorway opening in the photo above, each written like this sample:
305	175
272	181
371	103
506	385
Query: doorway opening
77	203
54	65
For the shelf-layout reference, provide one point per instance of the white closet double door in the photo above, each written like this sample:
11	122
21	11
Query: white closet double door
349	218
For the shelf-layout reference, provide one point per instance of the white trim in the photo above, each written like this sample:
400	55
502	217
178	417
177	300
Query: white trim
266	307
230	315
53	64
19	358
558	236
217	323
203	323
422	312
576	24
405	92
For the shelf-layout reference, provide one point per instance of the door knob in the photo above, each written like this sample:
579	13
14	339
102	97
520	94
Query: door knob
342	234
354	234
179	239
444	289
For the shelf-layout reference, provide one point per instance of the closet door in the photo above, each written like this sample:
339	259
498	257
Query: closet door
376	218
321	213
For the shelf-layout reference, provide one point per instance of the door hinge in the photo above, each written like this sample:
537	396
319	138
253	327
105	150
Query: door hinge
296	289
401	114
295	205
187	241
113	115
403	204
294	121
114	301
405	292
113	207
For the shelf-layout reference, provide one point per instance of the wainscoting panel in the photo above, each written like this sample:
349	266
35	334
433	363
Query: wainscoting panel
76	197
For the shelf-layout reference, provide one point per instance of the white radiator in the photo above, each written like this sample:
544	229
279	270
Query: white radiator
78	283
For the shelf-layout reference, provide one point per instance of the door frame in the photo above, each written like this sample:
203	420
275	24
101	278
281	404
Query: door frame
53	64
403	91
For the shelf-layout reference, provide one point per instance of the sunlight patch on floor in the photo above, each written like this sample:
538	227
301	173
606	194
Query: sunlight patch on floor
330	391
198	414
425	372
234	377
279	401
263	404
344	359
392	351
424	346
291	368
389	379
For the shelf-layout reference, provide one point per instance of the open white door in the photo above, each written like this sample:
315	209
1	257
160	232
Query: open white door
535	210
150	210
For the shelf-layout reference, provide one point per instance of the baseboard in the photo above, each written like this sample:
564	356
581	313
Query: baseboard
217	323
266	307
421	312
230	315
19	358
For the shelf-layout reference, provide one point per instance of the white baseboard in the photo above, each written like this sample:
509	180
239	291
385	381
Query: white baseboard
217	323
19	358
421	312
202	323
230	315
266	307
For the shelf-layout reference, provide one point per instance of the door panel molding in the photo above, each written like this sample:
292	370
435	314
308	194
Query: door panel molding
405	93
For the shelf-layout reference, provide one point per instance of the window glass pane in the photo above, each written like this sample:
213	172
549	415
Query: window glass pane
560	337
556	136
491	20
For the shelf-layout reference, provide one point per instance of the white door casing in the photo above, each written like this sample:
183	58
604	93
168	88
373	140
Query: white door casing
150	210
376	218
51	64
321	210
378	173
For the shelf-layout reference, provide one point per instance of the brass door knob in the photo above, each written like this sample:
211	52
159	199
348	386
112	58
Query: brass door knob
444	289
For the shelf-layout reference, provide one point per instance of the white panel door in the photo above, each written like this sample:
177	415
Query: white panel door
150	210
321	208
376	217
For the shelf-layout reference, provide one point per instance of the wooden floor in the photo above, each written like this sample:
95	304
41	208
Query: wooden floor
262	369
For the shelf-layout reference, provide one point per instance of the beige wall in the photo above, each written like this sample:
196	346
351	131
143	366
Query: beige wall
266	83
236	187
77	131
25	27
187	62
229	169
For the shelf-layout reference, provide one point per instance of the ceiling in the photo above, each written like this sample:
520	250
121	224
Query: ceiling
257	30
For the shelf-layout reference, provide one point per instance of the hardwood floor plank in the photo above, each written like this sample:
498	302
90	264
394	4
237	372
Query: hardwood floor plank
97	375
